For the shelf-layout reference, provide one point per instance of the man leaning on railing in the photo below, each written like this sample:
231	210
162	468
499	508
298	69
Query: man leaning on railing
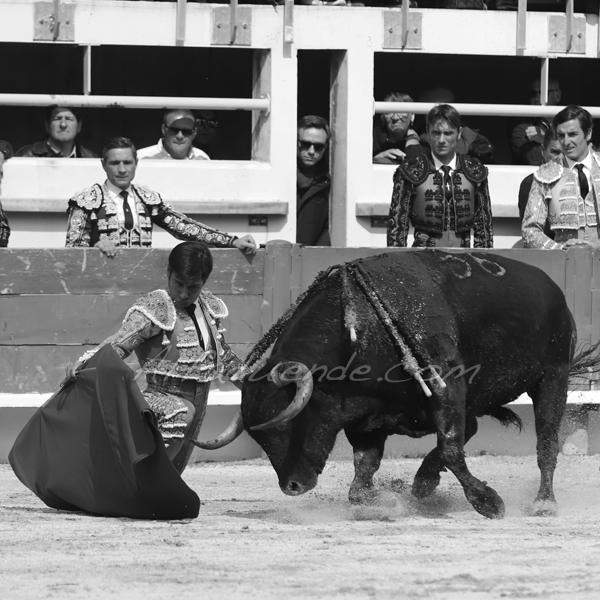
120	214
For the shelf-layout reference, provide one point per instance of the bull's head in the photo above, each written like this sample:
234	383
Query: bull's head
273	403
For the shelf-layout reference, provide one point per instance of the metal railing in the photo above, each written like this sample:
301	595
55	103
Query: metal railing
256	104
488	110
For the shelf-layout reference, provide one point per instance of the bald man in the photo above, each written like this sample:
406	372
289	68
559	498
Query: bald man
178	132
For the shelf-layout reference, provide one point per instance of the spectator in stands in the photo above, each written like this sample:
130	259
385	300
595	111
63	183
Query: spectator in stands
207	126
393	135
444	195
470	141
313	182
63	125
6	152
552	152
527	134
102	216
566	193
178	133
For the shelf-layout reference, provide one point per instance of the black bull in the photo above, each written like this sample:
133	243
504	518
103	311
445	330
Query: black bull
413	343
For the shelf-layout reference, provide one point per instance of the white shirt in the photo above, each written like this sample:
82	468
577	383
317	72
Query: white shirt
158	151
587	168
439	164
114	194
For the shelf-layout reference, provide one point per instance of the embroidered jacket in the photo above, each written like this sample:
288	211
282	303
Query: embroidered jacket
555	197
4	228
93	216
166	344
418	199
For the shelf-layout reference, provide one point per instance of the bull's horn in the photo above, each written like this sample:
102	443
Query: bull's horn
302	377
234	429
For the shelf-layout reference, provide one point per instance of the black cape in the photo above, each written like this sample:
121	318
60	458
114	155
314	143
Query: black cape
94	446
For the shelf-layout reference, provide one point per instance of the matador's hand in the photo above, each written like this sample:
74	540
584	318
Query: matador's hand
107	247
246	244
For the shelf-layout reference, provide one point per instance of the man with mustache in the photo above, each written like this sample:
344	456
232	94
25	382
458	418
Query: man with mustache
566	193
442	194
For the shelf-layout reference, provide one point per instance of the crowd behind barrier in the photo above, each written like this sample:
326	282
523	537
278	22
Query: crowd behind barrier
100	216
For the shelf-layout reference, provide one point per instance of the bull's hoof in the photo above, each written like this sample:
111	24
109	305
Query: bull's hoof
423	487
365	496
486	502
544	508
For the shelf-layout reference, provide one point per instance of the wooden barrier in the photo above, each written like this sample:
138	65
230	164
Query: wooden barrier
56	303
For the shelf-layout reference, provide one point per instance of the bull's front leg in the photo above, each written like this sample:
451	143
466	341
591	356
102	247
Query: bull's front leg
428	476
448	409
368	450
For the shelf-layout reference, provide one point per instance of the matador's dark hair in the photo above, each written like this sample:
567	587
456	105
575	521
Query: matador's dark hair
191	260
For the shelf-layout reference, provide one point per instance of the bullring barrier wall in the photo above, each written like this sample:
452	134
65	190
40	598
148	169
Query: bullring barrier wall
57	303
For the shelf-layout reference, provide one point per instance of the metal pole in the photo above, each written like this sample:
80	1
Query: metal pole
569	17
490	110
405	13
233	5
87	70
56	17
180	22
522	25
544	76
259	104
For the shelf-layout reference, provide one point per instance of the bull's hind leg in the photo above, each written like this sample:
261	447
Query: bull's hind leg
448	409
549	401
368	450
428	476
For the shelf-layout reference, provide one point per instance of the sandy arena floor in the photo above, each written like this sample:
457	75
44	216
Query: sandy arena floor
251	541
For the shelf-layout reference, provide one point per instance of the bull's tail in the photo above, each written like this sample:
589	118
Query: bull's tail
506	416
585	363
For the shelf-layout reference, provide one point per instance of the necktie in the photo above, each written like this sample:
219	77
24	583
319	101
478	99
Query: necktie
447	183
190	310
127	211
584	187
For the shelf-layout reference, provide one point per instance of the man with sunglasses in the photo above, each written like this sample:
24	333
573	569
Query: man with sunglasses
312	182
178	133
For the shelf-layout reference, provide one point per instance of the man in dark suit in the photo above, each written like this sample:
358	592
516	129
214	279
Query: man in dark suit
63	125
312	182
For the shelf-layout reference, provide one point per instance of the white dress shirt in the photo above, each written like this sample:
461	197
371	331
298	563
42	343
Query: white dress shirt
439	164
158	152
114	194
